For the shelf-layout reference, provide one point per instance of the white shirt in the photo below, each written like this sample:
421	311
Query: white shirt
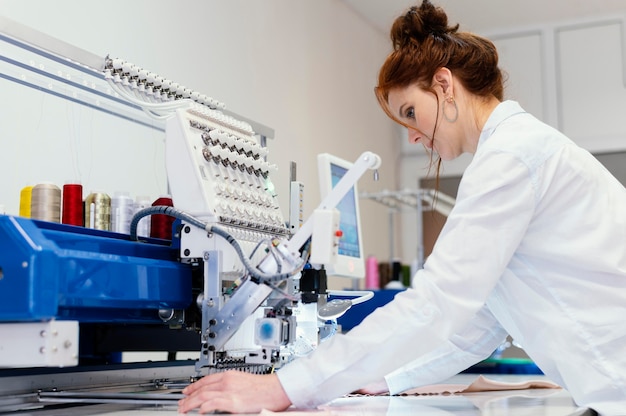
535	247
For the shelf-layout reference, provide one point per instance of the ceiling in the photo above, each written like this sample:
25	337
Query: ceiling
484	16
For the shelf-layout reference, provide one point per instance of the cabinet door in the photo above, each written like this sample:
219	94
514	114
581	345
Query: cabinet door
591	88
521	60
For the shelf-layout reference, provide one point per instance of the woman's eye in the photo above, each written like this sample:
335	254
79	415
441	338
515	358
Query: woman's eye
410	112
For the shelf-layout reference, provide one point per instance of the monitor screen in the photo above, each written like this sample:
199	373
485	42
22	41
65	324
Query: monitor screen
350	261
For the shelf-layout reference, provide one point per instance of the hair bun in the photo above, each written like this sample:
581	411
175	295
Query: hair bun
420	22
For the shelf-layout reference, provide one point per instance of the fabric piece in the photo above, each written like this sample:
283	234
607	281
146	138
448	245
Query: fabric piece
481	384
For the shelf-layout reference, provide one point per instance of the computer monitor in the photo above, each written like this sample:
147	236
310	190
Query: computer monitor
350	261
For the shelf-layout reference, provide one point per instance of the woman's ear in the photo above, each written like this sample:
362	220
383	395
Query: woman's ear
443	78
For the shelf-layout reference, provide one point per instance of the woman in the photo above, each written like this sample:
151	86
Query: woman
534	247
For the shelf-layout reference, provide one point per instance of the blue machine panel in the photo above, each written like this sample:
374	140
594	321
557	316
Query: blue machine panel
50	270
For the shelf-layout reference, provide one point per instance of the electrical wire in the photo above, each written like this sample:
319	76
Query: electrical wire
286	295
176	213
270	249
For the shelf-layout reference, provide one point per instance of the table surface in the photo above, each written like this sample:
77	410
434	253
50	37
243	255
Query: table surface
530	402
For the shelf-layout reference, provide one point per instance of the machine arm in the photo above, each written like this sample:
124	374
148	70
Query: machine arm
290	249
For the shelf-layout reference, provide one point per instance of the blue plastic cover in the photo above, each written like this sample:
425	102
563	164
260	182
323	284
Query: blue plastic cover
50	270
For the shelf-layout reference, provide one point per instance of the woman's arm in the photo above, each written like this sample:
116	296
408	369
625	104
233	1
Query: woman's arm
473	344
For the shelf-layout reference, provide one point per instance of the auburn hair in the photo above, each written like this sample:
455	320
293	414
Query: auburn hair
423	42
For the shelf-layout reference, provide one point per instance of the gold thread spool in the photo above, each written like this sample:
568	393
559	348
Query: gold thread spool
98	211
45	203
25	196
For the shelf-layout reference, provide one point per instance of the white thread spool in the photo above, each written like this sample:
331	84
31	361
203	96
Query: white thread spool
122	211
143	227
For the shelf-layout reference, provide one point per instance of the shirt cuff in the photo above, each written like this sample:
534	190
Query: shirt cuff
297	383
399	382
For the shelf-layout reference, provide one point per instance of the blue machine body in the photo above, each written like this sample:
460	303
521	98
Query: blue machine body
56	271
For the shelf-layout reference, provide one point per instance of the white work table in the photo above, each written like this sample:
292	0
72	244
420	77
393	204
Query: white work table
529	402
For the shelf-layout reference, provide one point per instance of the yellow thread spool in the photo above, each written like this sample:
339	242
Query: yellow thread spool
25	198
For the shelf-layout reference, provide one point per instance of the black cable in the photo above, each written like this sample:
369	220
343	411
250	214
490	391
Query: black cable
176	213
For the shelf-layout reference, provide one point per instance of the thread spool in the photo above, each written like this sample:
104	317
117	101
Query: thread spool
384	271
161	225
25	197
396	276
143	227
122	210
98	211
73	212
406	275
396	270
372	278
45	203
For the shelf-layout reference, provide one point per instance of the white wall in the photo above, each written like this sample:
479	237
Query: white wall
305	68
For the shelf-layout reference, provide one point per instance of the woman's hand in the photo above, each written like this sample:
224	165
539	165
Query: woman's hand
235	392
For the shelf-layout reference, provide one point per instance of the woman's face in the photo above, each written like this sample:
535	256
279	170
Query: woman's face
420	110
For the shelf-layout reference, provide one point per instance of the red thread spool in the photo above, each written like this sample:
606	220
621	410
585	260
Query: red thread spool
160	224
73	204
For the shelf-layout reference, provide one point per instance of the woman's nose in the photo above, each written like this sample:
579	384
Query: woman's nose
413	136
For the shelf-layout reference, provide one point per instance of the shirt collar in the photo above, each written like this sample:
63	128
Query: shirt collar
503	111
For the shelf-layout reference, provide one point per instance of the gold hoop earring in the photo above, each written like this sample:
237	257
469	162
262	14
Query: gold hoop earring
450	99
